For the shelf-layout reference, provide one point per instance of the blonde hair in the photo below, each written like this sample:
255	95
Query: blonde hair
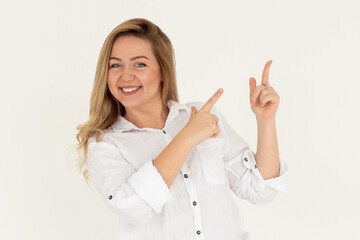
104	108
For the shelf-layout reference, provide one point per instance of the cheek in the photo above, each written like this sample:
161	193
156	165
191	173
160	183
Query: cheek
111	81
152	78
112	86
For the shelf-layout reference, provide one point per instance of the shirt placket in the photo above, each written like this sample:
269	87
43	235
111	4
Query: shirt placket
191	189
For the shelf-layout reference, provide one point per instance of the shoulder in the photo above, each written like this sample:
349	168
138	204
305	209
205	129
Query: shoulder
107	138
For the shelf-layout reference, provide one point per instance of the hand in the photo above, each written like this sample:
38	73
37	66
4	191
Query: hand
202	124
264	102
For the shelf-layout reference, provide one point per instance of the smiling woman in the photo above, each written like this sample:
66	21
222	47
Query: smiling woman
166	168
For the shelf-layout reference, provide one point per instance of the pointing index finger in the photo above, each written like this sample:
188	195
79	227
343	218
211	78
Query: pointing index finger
211	102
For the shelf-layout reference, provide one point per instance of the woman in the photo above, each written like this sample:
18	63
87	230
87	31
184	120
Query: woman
167	168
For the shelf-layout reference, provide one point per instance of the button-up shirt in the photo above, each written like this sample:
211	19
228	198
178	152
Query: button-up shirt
199	204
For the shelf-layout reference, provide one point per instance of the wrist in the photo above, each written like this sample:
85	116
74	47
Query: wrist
184	137
265	121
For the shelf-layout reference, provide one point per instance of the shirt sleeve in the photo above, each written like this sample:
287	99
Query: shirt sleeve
241	170
135	195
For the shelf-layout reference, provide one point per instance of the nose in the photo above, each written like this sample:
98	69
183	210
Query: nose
127	75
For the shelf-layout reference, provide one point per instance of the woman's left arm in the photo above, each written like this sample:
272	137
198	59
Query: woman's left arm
264	103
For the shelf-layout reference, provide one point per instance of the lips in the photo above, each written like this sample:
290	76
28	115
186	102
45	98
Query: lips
130	90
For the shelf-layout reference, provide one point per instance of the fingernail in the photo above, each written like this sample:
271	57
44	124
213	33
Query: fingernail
220	90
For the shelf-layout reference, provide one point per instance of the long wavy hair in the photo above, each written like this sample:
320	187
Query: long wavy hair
104	108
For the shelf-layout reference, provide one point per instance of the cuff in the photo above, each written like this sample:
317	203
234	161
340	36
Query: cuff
277	183
148	183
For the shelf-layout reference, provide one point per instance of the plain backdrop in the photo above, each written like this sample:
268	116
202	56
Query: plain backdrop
48	54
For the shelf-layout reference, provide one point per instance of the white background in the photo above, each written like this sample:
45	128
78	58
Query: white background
48	54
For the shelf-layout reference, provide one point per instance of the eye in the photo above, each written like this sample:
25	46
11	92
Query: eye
140	65
114	65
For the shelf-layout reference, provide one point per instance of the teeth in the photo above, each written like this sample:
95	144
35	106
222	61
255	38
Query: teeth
130	89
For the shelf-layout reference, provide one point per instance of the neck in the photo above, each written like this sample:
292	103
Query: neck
155	117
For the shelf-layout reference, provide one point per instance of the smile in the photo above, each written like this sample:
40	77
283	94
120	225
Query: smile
130	89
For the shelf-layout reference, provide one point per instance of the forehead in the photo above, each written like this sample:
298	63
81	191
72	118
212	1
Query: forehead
130	46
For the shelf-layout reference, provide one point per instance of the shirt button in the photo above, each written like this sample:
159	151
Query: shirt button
164	131
194	203
245	159
110	197
198	232
185	175
255	166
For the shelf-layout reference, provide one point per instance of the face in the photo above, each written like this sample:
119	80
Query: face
134	74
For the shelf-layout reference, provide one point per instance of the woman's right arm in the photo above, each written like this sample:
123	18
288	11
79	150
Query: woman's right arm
201	125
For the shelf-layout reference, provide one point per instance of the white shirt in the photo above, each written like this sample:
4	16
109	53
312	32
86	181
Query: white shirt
199	204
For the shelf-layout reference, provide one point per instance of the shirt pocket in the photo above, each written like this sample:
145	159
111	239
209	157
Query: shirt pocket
210	151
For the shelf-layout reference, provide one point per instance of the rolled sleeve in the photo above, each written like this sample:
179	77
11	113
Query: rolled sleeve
150	186
136	195
250	185
277	183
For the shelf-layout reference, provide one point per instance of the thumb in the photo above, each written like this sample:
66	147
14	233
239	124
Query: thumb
252	84
193	110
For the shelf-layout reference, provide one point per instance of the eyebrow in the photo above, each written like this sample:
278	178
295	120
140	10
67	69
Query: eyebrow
131	59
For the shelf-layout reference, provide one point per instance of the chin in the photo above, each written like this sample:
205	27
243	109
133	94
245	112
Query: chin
131	104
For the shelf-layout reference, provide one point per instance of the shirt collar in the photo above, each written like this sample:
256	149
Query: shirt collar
121	124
